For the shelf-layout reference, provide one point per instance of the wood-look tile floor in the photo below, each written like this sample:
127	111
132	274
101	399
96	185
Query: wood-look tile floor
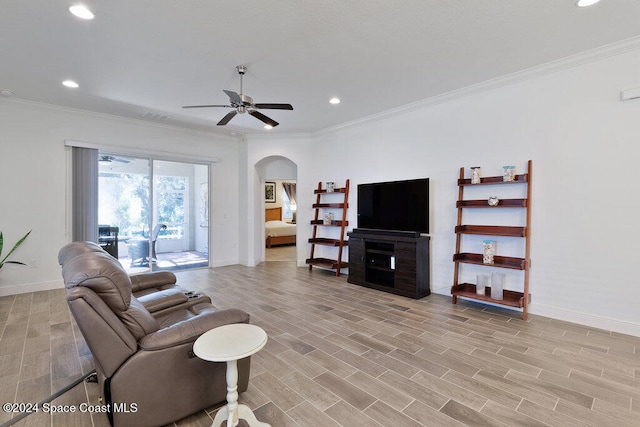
343	355
280	253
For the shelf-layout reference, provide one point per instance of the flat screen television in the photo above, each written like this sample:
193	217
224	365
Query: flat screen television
394	206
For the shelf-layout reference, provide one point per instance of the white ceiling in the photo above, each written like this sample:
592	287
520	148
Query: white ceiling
150	57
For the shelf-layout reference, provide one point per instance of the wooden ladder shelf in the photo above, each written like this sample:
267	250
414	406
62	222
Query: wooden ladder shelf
329	202
468	290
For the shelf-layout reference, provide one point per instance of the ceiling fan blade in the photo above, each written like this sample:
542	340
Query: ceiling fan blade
226	118
106	158
263	118
275	106
234	97
206	106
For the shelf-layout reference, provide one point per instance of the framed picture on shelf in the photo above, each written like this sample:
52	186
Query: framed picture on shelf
270	192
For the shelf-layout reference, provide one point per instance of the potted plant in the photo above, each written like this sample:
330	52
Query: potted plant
4	261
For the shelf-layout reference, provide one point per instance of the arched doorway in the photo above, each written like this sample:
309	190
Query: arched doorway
278	176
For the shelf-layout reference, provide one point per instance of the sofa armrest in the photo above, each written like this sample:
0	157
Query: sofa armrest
162	299
189	330
151	280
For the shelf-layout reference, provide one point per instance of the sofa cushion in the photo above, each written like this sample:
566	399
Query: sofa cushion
138	319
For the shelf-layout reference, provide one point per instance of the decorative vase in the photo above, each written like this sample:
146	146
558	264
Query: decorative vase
489	251
493	201
331	186
327	218
475	174
508	173
497	286
482	281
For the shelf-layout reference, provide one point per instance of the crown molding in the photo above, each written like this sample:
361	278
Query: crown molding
568	62
105	116
562	64
278	137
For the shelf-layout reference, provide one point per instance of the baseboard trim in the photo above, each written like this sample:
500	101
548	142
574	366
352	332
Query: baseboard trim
595	321
581	318
30	287
223	262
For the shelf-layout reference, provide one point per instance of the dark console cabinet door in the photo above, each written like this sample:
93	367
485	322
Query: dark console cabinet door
396	262
356	256
405	277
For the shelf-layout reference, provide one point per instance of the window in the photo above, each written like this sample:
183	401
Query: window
171	195
139	195
286	206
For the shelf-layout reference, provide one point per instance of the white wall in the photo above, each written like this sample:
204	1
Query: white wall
582	139
201	226
297	149
584	144
35	194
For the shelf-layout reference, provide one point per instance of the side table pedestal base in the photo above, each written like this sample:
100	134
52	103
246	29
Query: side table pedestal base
244	413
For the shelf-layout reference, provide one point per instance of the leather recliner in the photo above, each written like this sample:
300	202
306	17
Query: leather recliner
144	361
157	290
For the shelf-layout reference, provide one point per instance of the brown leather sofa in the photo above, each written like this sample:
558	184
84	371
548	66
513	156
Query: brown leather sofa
157	291
144	359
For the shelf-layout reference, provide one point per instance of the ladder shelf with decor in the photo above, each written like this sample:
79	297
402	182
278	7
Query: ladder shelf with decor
329	201
511	298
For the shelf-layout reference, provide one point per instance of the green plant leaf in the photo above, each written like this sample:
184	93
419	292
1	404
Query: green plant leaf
14	262
4	260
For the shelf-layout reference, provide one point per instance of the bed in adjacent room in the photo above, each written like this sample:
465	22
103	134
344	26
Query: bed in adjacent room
277	231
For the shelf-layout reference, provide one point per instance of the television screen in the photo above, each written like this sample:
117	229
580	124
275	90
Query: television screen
397	205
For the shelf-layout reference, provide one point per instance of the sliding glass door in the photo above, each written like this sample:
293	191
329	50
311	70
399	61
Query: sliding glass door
180	203
152	214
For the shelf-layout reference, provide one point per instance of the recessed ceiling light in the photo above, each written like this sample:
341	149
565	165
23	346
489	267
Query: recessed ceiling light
6	93
334	100
81	12
268	127
585	3
71	84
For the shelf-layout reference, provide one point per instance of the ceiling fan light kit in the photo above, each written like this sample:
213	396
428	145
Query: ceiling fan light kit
244	104
586	3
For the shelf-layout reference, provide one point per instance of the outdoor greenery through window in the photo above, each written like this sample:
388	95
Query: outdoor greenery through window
124	201
156	212
171	193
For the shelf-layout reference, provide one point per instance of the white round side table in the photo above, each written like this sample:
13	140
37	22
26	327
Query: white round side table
229	343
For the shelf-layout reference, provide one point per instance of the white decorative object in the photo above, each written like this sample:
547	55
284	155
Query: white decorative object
493	201
327	219
475	174
497	285
508	173
331	186
482	281
489	251
229	343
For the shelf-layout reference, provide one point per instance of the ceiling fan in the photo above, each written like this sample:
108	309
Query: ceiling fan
105	158
244	104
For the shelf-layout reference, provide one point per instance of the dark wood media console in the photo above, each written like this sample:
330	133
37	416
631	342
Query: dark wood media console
391	261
